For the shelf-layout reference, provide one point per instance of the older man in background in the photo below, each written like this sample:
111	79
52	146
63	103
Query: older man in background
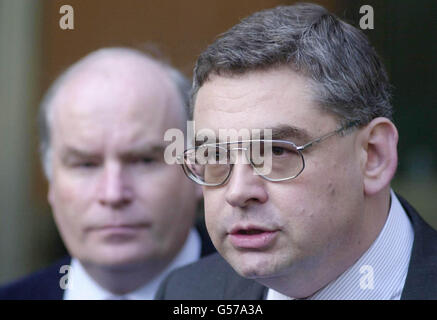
125	216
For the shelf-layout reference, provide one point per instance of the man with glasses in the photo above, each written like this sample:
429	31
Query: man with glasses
321	222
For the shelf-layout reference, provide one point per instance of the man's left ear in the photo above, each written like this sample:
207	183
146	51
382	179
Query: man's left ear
378	143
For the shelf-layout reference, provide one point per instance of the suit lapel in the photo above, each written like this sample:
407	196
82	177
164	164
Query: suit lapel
421	281
245	289
239	288
54	290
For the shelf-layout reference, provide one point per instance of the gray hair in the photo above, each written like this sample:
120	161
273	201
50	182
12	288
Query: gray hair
344	71
44	122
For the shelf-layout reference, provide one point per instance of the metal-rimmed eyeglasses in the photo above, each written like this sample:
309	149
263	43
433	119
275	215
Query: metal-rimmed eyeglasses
274	160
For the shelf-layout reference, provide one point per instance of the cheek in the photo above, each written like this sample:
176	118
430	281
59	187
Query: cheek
69	197
215	213
68	204
163	182
170	201
70	190
319	202
335	179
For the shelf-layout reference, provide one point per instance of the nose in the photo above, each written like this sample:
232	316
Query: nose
114	190
244	187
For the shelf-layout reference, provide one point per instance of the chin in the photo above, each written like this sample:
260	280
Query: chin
118	256
254	267
252	272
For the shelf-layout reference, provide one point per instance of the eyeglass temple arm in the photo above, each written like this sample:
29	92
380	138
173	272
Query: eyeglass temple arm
320	139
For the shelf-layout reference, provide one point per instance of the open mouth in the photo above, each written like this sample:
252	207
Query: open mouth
252	238
250	232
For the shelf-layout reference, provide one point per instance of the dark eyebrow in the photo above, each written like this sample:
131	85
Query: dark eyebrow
285	131
148	149
280	132
73	152
145	150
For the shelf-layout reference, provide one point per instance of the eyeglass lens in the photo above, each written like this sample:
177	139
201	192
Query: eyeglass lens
275	160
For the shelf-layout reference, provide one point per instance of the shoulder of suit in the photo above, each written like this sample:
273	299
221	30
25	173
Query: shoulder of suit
41	285
421	281
207	278
210	267
423	231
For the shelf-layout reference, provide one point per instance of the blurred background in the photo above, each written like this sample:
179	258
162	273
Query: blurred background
34	50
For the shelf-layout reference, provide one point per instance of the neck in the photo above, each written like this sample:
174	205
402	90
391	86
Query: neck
306	278
124	279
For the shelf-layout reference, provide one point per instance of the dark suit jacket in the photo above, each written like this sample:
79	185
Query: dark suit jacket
213	278
45	284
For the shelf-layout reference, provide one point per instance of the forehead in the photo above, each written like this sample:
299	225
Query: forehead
258	99
122	101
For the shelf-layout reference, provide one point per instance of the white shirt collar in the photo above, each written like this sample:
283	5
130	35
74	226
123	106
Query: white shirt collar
83	287
381	271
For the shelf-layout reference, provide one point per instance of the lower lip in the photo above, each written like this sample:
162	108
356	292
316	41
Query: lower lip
253	241
118	230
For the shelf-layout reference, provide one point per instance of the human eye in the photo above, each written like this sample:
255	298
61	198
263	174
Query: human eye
208	154
142	159
87	164
283	150
82	163
147	160
278	151
217	154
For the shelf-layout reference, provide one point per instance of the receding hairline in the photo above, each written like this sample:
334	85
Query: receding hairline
174	79
105	56
92	64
